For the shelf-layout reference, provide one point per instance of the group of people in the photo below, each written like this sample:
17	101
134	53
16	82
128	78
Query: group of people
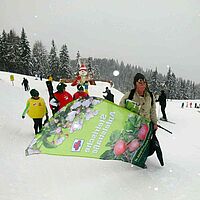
61	97
36	107
24	82
189	105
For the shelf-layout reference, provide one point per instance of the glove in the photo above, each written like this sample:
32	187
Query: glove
155	127
23	116
53	102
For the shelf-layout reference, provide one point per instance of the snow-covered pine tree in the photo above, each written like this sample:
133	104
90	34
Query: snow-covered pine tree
189	90
154	84
116	79
78	63
169	84
39	60
25	53
123	79
193	91
93	69
183	94
4	52
173	91
66	68
13	53
197	91
53	61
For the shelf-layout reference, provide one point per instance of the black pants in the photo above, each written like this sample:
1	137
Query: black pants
37	125
163	112
26	87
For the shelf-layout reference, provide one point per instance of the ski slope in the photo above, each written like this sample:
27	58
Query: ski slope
44	177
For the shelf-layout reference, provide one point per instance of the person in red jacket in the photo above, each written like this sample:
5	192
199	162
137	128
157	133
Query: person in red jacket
63	97
80	93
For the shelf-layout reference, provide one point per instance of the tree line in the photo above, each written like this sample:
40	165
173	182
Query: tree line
17	56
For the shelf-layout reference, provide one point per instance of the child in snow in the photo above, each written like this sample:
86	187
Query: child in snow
80	93
36	109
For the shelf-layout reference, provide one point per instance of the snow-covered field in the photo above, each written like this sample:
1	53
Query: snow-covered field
44	177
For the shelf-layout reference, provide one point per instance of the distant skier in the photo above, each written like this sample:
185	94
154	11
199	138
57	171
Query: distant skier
36	109
111	84
41	76
109	96
80	93
50	78
12	78
25	83
162	101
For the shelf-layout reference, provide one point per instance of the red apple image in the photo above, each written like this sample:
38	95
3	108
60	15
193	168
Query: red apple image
133	145
120	147
143	132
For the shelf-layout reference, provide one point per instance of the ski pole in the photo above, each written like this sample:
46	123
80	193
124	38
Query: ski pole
164	129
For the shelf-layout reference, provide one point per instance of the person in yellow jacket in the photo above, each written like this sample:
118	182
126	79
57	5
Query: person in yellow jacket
50	78
12	78
36	109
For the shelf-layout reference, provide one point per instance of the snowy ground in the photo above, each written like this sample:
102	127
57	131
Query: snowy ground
44	177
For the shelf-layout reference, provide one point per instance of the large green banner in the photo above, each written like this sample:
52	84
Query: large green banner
95	128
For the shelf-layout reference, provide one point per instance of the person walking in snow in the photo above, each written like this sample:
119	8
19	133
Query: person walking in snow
36	109
41	76
80	93
107	90
63	97
143	97
50	78
25	83
144	100
12	78
109	96
162	101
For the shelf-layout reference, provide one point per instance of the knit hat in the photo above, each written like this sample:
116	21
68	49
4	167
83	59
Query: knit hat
137	77
60	87
34	93
80	87
83	67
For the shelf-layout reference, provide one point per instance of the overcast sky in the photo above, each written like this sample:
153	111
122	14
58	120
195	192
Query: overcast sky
149	33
